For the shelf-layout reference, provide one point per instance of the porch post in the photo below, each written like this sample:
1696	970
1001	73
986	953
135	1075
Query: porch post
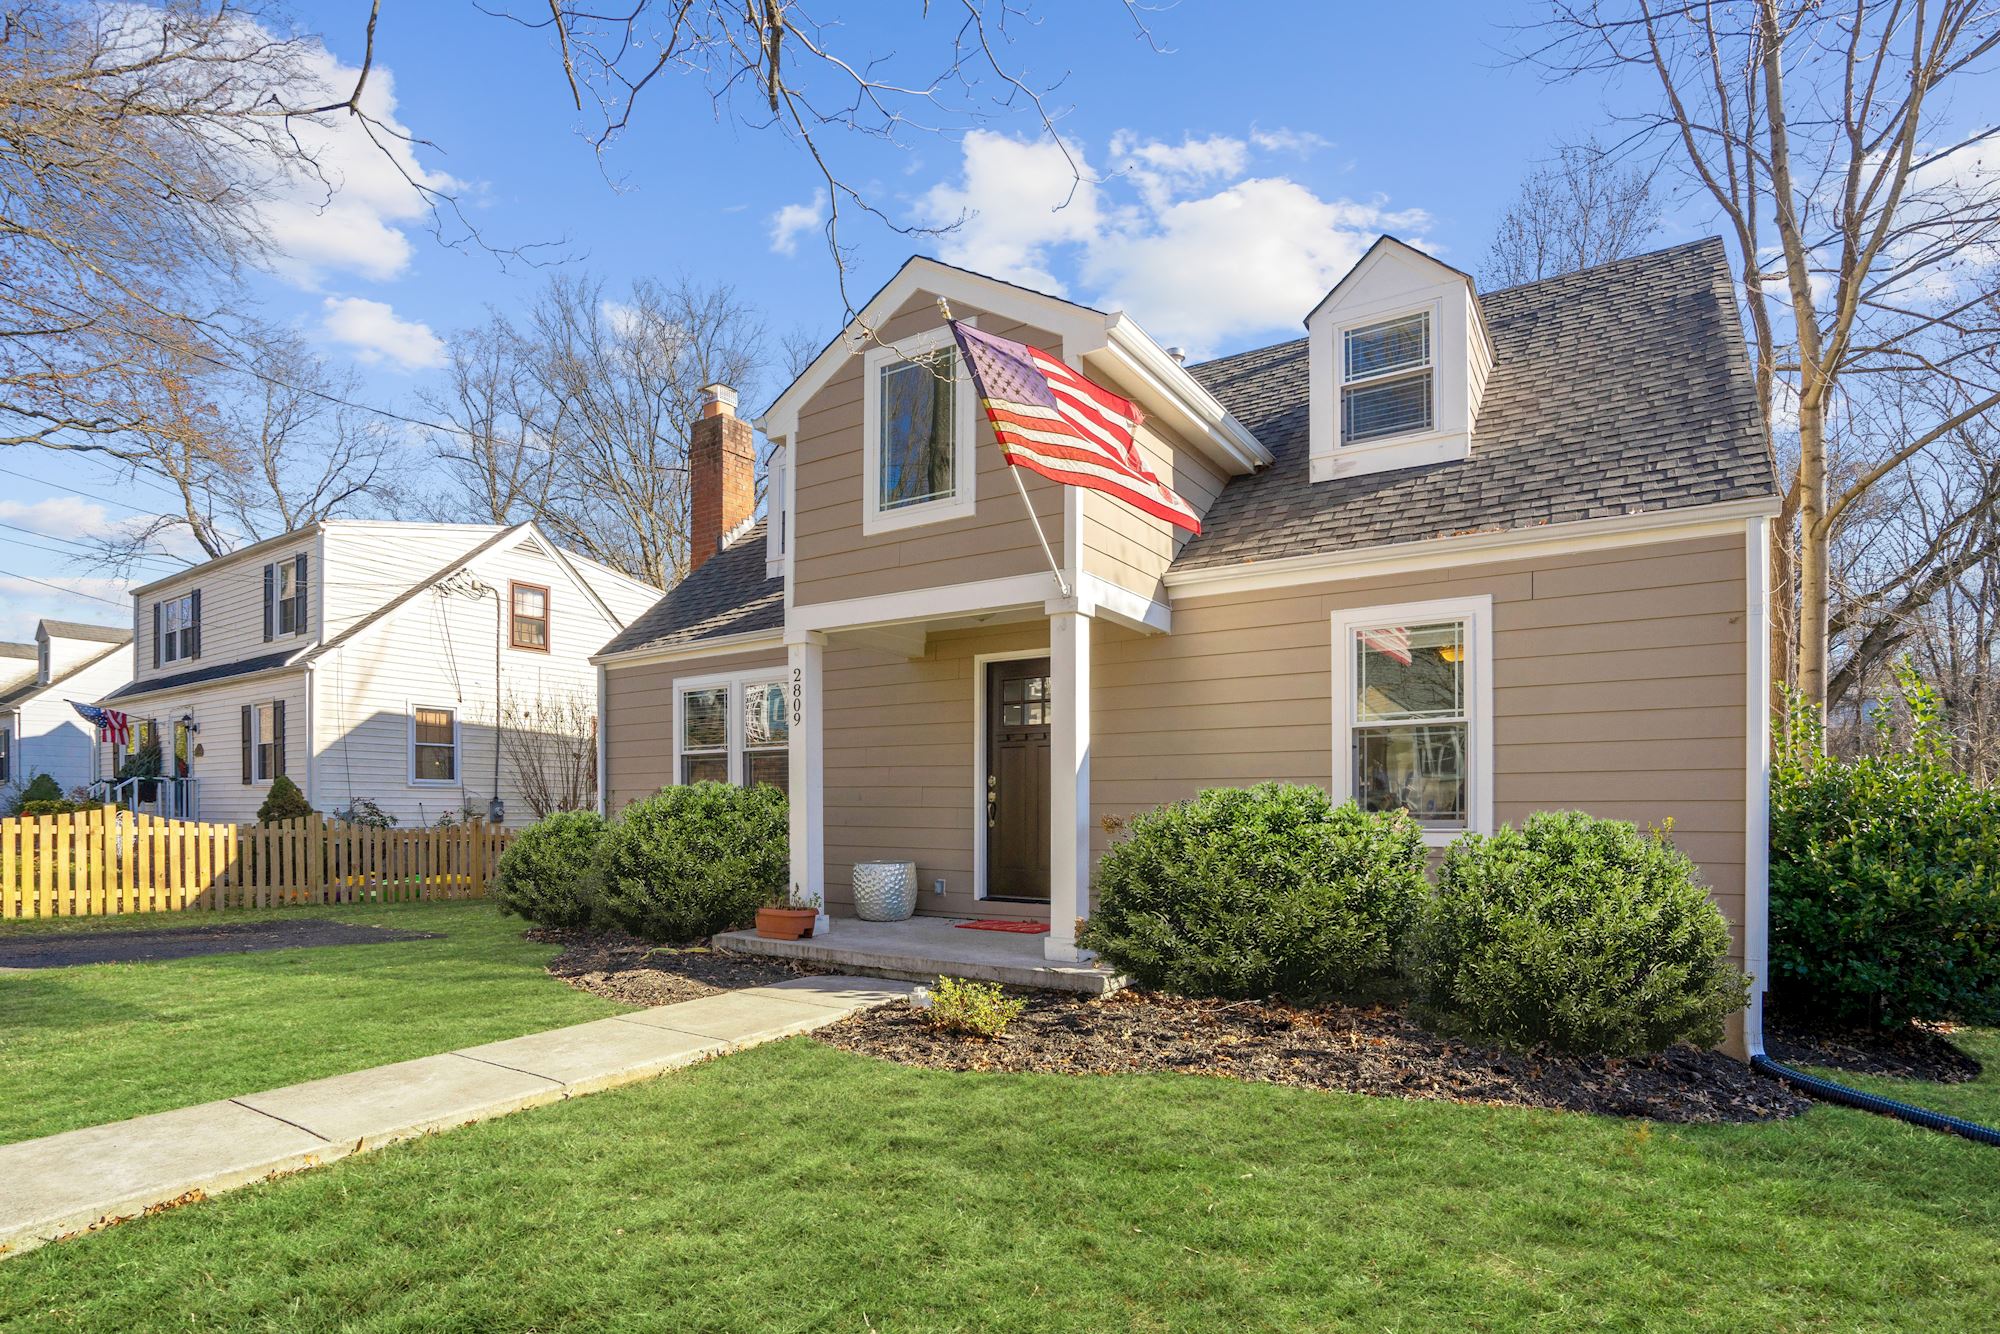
805	659
1069	800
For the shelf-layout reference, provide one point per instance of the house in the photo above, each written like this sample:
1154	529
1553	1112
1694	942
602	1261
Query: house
39	732
1472	554
427	668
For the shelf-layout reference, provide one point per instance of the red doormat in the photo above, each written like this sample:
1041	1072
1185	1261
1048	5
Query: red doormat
1002	924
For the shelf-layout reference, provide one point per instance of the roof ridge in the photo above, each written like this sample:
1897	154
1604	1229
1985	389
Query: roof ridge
1698	243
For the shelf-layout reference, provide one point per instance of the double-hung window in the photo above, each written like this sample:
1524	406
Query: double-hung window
263	741
285	597
733	729
177	629
1413	712
433	744
528	617
1386	379
917	434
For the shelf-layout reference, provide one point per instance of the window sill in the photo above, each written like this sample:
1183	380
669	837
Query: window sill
876	521
1391	453
433	782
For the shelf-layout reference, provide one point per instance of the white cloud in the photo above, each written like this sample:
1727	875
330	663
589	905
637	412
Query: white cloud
793	221
24	602
1015	201
374	333
56	516
1198	251
1282	140
349	218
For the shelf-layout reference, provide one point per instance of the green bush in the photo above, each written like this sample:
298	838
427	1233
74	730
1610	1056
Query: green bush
690	861
1270	890
60	806
1885	878
977	1009
41	788
544	873
283	802
1578	934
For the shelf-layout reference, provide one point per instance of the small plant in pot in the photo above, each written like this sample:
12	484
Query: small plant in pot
789	918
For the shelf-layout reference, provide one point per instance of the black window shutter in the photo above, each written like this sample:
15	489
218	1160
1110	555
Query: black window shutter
278	739
299	602
249	741
270	602
157	621
194	624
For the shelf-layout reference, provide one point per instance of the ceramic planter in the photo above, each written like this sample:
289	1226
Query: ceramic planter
786	923
885	891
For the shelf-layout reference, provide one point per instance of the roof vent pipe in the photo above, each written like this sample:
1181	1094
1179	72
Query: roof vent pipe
1179	354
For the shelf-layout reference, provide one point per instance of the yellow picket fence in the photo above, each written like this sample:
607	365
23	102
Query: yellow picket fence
112	861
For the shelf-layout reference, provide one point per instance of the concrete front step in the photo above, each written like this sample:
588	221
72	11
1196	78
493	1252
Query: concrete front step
922	949
82	1180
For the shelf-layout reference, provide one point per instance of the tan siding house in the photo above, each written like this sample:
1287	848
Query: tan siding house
1473	555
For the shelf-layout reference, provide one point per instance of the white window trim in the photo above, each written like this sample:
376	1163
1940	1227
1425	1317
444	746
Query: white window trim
962	503
1429	369
1477	613
457	747
179	638
736	682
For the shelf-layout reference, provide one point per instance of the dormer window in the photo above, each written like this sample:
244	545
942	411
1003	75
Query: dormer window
1385	384
917	434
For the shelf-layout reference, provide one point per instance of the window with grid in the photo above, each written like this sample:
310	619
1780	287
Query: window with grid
530	619
266	743
177	623
433	745
1385	377
1025	701
1412	725
767	735
705	735
918	458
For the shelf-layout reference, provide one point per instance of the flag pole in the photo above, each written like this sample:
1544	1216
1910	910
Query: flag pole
1055	566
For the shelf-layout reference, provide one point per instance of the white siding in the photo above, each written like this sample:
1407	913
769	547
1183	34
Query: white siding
50	737
371	563
232	609
217	757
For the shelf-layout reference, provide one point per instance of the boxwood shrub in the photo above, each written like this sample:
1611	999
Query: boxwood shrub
543	875
1578	934
1885	878
1270	890
690	861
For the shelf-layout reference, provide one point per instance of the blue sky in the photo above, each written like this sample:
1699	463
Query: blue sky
1235	174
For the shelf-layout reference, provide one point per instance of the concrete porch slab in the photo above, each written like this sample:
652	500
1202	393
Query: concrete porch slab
370	1108
924	948
841	993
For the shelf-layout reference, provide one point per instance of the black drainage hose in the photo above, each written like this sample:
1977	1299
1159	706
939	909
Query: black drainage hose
1868	1102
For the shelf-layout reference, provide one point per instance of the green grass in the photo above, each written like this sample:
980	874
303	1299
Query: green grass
80	1046
798	1187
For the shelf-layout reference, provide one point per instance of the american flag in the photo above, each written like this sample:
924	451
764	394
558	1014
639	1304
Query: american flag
1051	420
1391	641
111	725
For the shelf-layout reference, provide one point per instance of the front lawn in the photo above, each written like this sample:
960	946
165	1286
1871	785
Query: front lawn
80	1046
797	1187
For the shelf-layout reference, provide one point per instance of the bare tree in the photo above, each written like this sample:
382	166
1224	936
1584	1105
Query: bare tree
1581	210
549	743
1825	137
580	419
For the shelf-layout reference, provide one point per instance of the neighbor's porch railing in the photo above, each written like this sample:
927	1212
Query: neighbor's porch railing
114	861
173	798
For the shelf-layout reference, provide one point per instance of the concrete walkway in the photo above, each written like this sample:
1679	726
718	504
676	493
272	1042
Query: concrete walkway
919	949
82	1180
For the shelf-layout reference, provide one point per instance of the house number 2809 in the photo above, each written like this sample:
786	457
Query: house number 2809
798	694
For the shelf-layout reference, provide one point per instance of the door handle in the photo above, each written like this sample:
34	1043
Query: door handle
992	800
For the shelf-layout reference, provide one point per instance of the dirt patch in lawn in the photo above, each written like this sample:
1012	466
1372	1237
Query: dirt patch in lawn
1351	1050
1916	1052
632	971
70	949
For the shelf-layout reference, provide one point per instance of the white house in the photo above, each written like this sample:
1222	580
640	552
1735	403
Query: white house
411	665
39	732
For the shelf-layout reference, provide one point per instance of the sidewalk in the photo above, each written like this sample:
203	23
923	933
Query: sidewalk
81	1180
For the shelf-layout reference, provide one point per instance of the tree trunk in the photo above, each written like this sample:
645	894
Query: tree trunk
1814	545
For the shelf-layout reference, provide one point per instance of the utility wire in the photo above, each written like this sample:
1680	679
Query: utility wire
154	562
75	593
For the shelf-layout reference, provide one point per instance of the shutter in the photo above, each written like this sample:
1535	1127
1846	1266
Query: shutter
249	741
194	626
278	739
156	634
299	600
270	602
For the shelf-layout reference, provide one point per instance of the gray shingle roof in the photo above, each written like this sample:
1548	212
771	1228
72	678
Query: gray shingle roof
27	689
728	595
202	675
103	634
1616	389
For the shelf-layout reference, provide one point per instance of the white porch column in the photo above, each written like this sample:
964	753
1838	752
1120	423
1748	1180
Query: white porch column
1069	799
806	661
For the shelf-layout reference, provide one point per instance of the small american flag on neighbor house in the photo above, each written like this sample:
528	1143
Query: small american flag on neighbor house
1051	420
111	725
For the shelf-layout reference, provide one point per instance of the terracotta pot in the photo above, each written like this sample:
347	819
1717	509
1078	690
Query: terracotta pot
786	923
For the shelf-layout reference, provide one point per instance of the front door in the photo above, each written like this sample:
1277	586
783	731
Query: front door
1018	714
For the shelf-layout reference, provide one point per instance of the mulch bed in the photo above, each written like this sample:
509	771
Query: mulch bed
190	942
1351	1050
1916	1052
637	972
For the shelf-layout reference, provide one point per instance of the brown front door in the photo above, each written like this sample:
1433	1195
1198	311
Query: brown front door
1018	714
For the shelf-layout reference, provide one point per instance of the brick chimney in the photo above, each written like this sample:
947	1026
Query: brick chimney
722	474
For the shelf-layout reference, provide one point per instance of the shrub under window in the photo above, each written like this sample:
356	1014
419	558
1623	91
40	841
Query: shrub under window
690	861
543	874
1579	934
1270	890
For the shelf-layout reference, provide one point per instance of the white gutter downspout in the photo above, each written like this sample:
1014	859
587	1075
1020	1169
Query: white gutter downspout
1757	795
312	732
603	746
